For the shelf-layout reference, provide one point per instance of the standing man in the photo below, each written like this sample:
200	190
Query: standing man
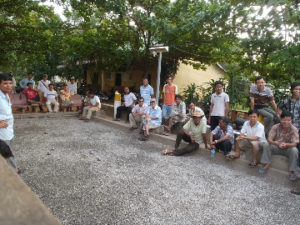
283	139
6	116
252	137
43	85
137	113
219	105
260	96
194	132
146	91
169	91
23	83
72	86
127	105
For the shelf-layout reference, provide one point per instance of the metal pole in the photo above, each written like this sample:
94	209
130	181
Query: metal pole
158	77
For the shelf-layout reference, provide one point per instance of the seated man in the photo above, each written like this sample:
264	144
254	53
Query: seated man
252	137
151	120
178	114
137	113
194	132
283	139
222	137
33	96
65	96
194	108
94	105
51	96
127	105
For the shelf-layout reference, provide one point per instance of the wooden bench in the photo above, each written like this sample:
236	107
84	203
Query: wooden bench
238	114
19	103
77	102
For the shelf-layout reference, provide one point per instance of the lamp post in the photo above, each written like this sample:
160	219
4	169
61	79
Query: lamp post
158	49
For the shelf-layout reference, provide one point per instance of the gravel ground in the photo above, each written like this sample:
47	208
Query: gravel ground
90	174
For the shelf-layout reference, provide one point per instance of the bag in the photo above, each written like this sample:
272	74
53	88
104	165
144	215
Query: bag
5	150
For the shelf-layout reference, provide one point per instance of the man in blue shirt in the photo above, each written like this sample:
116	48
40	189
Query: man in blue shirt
23	83
152	119
6	116
146	91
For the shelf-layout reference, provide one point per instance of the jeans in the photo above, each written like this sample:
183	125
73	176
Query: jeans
189	148
123	108
224	146
166	111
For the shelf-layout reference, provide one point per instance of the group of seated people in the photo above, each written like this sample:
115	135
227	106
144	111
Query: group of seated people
282	137
46	92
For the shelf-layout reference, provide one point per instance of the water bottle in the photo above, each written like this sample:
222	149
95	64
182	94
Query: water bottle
212	153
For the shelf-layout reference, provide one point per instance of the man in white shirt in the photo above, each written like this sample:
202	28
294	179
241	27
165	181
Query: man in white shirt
6	116
43	85
252	137
72	84
94	105
137	113
219	106
127	105
52	99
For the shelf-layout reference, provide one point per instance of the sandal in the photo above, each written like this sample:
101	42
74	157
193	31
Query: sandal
252	164
231	157
167	152
296	192
292	177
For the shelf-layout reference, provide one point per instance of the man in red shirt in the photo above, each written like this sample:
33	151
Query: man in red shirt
33	96
169	90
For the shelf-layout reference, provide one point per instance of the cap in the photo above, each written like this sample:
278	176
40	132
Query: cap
72	78
153	100
198	114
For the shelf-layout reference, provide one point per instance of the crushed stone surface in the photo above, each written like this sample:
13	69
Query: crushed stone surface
90	174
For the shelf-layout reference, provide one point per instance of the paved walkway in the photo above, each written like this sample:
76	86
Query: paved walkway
89	173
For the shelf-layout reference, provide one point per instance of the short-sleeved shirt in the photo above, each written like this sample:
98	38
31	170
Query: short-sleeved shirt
95	100
129	98
30	93
219	102
178	109
293	107
50	95
72	88
261	98
23	83
6	134
170	92
278	134
155	112
221	133
43	86
65	95
146	93
196	130
257	130
138	109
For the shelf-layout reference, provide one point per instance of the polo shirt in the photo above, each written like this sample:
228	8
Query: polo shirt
138	109
129	98
146	93
23	83
95	100
170	92
196	131
155	112
257	130
261	98
7	133
51	95
219	103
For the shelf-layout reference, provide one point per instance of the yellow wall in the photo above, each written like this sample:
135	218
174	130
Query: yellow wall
186	75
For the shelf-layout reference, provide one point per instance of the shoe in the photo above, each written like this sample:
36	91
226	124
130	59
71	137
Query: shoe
252	164
292	177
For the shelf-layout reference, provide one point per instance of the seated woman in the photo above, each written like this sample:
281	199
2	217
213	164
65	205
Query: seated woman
65	97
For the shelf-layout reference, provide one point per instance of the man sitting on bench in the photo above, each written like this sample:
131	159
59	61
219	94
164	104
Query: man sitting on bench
52	99
33	96
94	105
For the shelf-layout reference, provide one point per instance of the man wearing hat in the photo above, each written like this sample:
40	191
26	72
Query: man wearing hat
193	132
152	119
72	86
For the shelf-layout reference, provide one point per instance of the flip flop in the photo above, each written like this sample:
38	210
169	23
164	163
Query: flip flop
231	157
167	152
296	192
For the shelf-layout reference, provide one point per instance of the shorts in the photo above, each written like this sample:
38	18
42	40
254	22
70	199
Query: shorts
245	144
151	126
166	111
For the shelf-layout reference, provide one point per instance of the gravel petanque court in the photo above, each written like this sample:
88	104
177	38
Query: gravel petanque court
89	174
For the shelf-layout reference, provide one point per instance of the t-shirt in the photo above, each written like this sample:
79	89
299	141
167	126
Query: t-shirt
146	93
43	85
50	95
170	92
221	133
95	100
30	93
219	103
23	83
278	134
196	131
128	99
138	109
261	98
257	130
72	88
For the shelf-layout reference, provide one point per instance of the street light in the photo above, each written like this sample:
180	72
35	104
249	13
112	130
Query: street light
154	50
